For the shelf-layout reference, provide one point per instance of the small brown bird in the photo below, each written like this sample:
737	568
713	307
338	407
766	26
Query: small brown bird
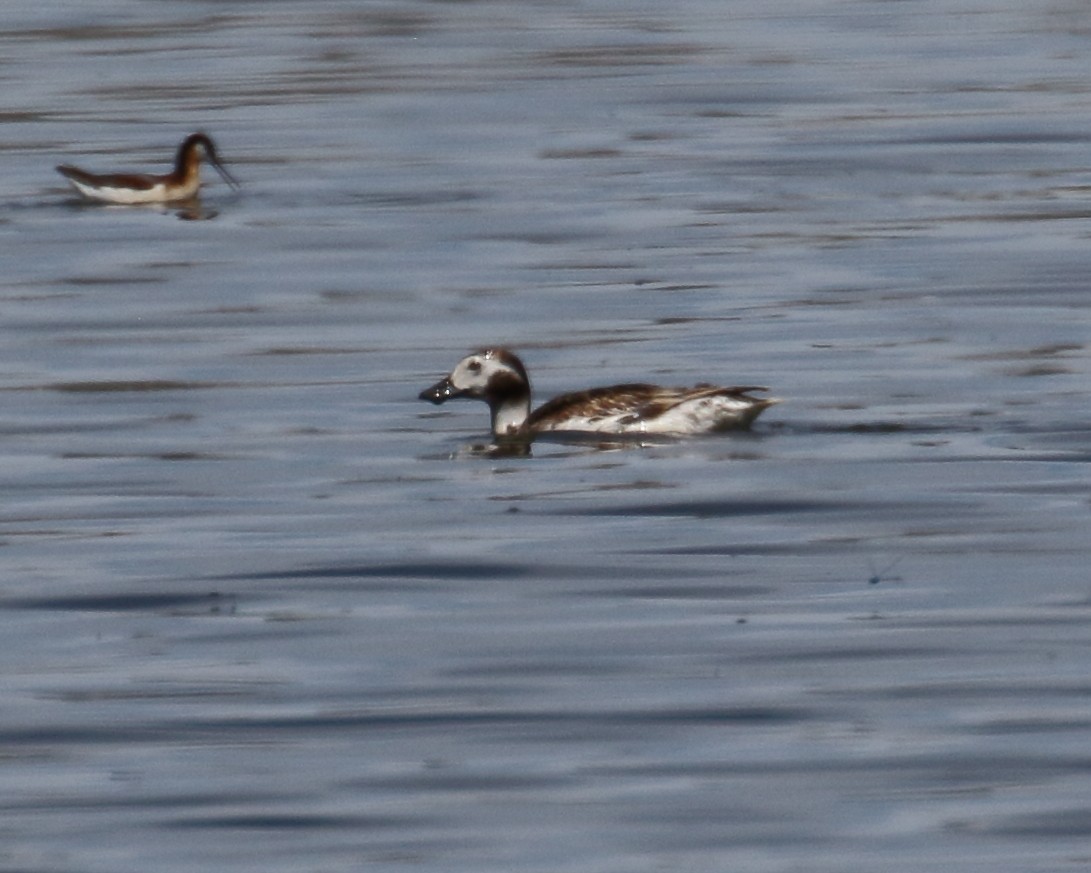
128	188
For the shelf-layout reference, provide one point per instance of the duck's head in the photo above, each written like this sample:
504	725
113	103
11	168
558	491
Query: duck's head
487	374
496	376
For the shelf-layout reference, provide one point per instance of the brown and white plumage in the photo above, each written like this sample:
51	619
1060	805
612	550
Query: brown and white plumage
182	183
498	377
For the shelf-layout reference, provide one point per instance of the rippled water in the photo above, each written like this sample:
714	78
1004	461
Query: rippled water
262	608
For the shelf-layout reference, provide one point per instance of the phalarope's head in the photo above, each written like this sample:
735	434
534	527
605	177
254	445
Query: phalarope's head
191	149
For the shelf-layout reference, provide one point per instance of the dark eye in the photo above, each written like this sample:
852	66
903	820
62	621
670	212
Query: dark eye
474	366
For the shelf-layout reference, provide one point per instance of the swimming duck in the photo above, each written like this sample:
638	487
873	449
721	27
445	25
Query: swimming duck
498	377
130	188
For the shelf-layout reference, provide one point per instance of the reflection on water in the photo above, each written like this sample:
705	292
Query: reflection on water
186	210
252	588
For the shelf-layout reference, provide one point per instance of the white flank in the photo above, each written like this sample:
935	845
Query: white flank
156	194
696	416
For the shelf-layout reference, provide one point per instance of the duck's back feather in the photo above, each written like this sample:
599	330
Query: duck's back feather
644	408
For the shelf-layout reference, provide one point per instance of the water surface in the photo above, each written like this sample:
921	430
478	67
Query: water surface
261	607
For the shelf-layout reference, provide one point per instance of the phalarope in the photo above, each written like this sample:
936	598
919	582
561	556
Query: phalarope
129	188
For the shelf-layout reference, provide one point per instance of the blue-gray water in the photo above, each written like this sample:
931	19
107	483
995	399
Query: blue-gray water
261	610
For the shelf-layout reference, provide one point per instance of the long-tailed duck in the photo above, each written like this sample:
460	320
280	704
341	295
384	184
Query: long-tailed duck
131	188
498	377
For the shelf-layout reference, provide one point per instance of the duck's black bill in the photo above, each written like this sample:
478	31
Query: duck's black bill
439	393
